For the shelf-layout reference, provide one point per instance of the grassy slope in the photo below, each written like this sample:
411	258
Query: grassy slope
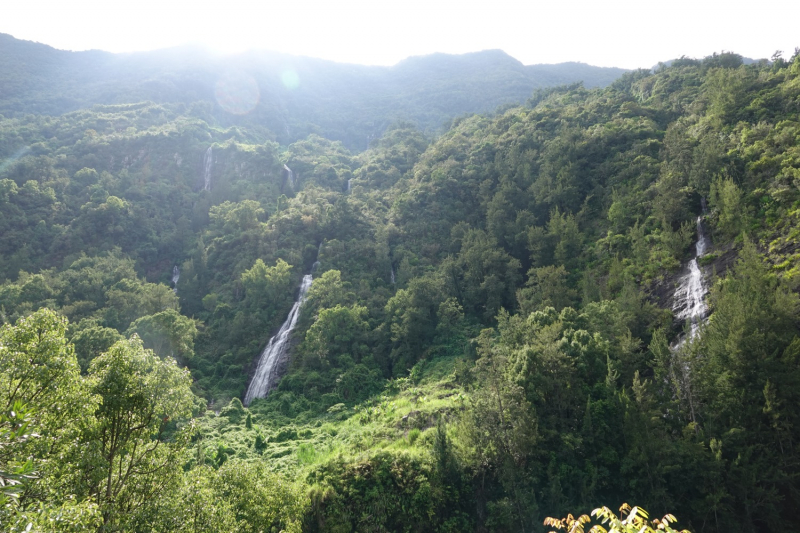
401	419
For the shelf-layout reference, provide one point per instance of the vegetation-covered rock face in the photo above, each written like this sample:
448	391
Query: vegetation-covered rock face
482	346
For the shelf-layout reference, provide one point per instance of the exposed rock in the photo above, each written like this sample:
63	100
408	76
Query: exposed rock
714	264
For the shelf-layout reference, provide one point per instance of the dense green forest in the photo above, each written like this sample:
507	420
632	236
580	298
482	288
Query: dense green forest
489	339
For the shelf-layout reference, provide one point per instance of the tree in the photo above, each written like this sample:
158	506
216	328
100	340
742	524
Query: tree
15	428
232	219
261	500
326	292
338	331
490	275
130	299
501	426
546	287
129	457
43	403
91	340
267	287
563	230
726	200
167	333
746	377
39	370
412	315
39	367
194	506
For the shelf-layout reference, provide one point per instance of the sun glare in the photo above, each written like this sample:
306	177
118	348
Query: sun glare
619	33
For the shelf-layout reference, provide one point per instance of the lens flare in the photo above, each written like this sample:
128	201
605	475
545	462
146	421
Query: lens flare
4	165
237	93
290	79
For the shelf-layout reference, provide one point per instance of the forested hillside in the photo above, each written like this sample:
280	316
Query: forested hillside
492	335
276	96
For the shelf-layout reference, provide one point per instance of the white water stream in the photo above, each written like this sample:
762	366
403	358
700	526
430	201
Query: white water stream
689	306
176	275
689	301
289	176
278	345
208	162
275	349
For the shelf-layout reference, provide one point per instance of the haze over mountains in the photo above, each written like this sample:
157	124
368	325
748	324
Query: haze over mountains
288	95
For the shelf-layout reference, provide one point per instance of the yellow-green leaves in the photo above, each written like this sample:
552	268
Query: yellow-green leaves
636	520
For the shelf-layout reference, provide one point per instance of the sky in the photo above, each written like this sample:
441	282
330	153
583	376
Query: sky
620	33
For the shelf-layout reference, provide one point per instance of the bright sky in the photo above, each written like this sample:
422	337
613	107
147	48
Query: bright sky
622	33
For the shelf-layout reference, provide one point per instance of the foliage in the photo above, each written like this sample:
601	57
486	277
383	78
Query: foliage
637	521
131	458
44	405
488	337
260	500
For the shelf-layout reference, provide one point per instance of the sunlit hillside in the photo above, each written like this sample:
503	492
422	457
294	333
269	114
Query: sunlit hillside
267	293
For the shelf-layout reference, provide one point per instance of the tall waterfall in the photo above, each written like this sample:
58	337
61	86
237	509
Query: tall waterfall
278	346
208	162
176	275
392	275
689	300
348	185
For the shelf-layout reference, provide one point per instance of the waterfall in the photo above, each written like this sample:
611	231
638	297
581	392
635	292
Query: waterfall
289	176
689	300
689	306
348	185
278	346
275	350
208	162
315	266
392	276
176	275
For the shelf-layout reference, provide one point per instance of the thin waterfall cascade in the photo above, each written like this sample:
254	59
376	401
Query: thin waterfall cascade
392	276
348	185
276	349
289	175
176	275
278	346
689	300
208	163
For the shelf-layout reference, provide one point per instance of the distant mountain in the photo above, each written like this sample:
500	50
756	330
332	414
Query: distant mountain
290	96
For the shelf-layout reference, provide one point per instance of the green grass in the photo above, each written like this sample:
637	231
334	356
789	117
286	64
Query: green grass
399	419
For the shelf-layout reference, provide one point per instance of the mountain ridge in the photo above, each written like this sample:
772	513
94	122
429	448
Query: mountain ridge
298	95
